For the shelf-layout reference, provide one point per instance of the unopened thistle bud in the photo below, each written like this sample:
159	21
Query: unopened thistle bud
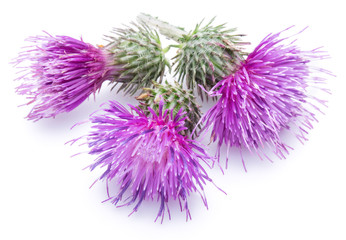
205	55
139	57
176	98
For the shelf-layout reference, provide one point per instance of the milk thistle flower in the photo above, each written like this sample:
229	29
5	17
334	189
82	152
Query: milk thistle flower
268	93
60	73
147	156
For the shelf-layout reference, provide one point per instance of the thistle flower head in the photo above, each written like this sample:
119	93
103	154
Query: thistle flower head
147	156
139	55
60	73
175	98
268	93
206	55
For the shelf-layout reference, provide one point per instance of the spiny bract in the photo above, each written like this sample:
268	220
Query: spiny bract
206	55
176	98
139	56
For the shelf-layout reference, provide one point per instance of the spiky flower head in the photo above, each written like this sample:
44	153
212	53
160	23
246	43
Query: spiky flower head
60	73
139	55
206	55
147	156
268	93
176	98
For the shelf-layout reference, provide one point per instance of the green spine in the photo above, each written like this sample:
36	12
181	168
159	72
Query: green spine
138	56
175	98
206	55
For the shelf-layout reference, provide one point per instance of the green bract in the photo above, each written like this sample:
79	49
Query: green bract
206	55
175	98
138	56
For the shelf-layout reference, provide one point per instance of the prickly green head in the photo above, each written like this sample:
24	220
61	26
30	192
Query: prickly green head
139	57
206	55
176	98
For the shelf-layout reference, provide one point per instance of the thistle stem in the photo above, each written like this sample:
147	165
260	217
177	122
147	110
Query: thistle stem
166	29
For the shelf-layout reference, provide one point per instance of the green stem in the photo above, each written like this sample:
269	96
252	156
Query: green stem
166	49
166	29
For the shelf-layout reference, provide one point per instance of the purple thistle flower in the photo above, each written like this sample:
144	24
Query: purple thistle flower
268	93
60	73
147	156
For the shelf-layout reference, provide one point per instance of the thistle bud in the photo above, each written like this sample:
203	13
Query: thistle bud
138	56
206	55
176	98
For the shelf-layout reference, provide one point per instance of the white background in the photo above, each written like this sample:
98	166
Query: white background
45	194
